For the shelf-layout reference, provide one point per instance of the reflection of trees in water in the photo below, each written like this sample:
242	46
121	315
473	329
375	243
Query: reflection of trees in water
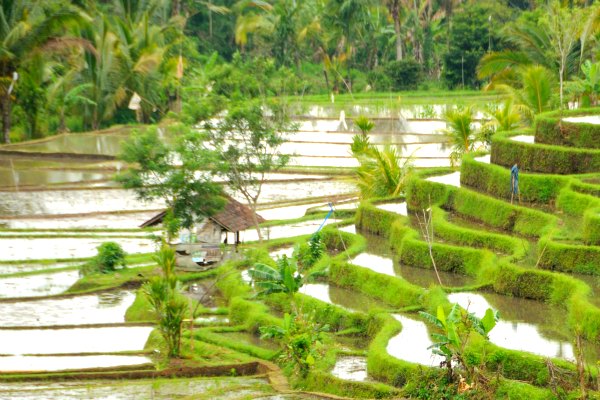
111	299
353	300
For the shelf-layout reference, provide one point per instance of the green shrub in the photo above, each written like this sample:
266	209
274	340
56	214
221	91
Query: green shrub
551	129
542	158
405	74
495	181
110	256
379	80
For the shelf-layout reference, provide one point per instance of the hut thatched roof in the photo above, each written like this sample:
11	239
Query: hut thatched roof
234	217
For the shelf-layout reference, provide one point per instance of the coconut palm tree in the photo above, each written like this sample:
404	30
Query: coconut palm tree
461	132
382	172
27	27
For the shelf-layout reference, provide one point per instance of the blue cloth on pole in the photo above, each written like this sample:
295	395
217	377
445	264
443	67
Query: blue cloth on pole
514	179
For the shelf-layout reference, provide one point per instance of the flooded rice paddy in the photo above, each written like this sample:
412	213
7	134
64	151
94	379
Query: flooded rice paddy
226	388
352	368
73	340
37	285
99	308
526	325
63	248
412	343
61	363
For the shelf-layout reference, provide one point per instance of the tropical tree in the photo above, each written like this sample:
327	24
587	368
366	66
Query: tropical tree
66	92
248	143
461	132
381	172
536	92
26	28
163	294
586	89
456	330
188	191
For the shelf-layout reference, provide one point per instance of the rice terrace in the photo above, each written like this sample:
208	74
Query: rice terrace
326	199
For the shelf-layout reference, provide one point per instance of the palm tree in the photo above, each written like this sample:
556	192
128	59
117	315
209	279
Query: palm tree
461	132
382	173
536	94
27	26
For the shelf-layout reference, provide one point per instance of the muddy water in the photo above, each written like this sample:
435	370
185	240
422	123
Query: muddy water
115	220
523	138
389	108
352	368
107	307
63	248
6	269
279	253
452	179
398	208
347	162
227	388
71	202
249	338
342	297
379	257
387	126
412	343
343	150
79	143
484	159
376	138
37	285
526	325
13	178
287	212
58	363
73	340
283	231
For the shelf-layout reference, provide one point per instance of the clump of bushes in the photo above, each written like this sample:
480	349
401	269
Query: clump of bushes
110	256
405	74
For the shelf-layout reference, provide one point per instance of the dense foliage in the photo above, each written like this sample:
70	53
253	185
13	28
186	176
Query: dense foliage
69	65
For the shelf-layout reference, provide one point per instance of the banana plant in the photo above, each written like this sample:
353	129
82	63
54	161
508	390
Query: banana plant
283	279
456	330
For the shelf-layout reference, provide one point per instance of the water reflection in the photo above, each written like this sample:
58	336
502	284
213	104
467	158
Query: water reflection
64	248
398	208
175	388
523	138
525	325
108	307
80	143
452	179
37	285
587	119
412	343
59	363
346	298
6	269
382	265
284	231
380	254
75	340
352	368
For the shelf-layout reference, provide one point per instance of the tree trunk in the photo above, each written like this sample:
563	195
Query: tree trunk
399	54
5	105
252	205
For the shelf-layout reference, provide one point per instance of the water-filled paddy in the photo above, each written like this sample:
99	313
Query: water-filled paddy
59	363
6	269
526	325
37	285
64	248
412	343
99	308
73	340
108	220
199	388
352	368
